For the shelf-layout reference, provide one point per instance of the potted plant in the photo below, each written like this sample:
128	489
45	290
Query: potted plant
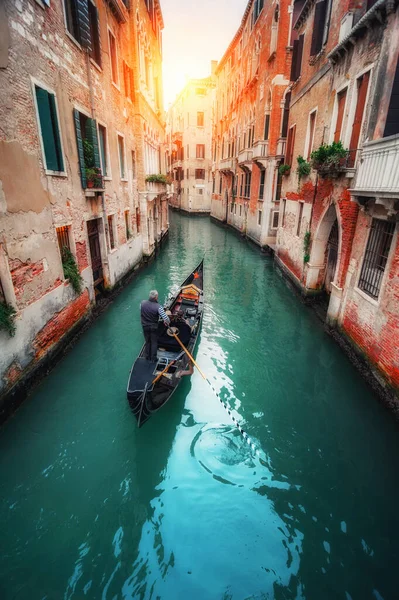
158	178
329	158
284	169
93	177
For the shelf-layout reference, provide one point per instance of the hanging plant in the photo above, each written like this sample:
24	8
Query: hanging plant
7	318
306	247
304	167
159	178
329	158
284	169
71	270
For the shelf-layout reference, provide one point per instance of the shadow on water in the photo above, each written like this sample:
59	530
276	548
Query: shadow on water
91	507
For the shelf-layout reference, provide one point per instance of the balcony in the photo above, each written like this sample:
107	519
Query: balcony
119	8
227	165
245	159
260	153
378	170
281	146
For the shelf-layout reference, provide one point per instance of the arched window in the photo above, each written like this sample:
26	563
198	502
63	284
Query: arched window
274	32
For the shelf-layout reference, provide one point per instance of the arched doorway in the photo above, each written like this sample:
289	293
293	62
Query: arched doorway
331	257
324	252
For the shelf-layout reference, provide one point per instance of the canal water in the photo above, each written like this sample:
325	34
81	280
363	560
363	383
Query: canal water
92	507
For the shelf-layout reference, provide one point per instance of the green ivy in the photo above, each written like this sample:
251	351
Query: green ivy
7	318
304	167
71	270
158	178
306	247
284	169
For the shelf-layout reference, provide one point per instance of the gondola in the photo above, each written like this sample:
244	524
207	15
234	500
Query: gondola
151	384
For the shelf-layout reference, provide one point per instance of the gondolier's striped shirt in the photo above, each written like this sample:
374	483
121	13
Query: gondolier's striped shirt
163	314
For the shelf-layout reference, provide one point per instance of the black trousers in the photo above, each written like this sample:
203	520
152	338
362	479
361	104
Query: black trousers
151	341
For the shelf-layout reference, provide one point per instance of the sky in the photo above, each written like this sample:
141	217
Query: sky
196	32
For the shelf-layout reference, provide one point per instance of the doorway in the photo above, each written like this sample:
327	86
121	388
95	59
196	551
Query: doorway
331	257
93	231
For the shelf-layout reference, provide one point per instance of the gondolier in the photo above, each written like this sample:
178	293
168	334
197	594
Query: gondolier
150	313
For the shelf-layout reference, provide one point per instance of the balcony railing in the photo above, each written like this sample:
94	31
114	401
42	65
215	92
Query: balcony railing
227	164
281	146
378	170
245	156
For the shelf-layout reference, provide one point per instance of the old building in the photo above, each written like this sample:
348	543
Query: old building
189	145
81	130
338	229
250	121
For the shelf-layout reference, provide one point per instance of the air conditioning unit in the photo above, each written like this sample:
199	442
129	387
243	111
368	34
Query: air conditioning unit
346	26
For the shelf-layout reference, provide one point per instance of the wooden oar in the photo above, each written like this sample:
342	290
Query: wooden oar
158	377
171	332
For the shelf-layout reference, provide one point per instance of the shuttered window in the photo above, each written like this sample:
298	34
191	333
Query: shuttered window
103	150
286	114
376	256
113	58
318	27
290	145
297	52
49	129
121	152
95	51
78	22
312	124
362	87
201	151
87	145
341	100
199	173
262	184
267	126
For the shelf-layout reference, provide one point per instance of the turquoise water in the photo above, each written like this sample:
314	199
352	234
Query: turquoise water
92	507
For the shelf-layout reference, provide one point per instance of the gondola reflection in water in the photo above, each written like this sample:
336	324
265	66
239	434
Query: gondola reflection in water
151	384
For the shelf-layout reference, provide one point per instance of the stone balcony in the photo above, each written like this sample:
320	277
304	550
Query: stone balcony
378	171
154	189
245	159
281	147
227	165
260	153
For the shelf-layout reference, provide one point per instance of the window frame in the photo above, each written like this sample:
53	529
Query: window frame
202	172
199	112
340	90
273	213
36	83
127	223
107	177
309	140
260	217
299	217
98	64
116	84
196	151
352	110
124	176
112	240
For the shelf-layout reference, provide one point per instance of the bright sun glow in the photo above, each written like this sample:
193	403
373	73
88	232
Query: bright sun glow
195	34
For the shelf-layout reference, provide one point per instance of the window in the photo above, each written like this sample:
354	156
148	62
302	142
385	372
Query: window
392	120
187	173
290	145
296	64
200	191
267	126
241	185
88	150
95	49
273	37
128	81
188	150
213	184
199	173
134	172
362	87
102	136
341	100
299	222
138	220
262	184
200	151
127	224
311	128
200	119
247	191
321	26
286	114
220	183
259	217
279	184
111	231
231	207
240	210
63	238
283	212
235	209
376	256
49	130
113	57
121	153
275	217
72	18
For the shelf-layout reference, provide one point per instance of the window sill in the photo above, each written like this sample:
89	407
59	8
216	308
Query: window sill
113	250
124	180
74	40
106	178
367	297
56	173
116	86
96	65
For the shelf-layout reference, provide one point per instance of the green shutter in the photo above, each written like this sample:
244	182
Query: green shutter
79	143
56	132
82	10
49	135
91	135
102	152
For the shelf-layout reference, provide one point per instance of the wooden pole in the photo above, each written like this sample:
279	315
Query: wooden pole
187	352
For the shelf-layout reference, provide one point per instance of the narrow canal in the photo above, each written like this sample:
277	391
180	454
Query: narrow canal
92	507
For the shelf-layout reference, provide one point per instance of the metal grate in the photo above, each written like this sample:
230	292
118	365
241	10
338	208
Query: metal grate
63	237
376	256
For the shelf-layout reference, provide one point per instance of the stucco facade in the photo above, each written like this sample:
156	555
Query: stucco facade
338	231
249	128
189	145
82	128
